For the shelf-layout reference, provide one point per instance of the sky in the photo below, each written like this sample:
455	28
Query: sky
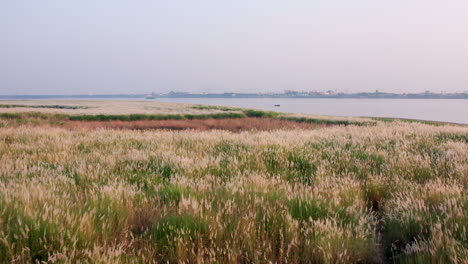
116	46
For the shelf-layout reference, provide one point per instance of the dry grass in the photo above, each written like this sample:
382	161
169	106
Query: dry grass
234	125
121	107
105	107
394	192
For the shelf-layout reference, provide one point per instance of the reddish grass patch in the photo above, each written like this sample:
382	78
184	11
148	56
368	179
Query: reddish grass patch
235	125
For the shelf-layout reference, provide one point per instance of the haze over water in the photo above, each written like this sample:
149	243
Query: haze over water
117	46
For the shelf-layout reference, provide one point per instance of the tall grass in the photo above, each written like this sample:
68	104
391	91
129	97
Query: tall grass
41	106
131	117
324	121
393	192
136	117
27	117
214	107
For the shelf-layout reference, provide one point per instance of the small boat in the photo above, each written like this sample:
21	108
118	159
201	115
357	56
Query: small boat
277	105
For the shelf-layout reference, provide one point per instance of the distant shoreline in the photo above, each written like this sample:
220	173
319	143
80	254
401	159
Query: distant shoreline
240	96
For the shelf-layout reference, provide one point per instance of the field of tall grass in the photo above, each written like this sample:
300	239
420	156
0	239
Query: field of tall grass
105	110
391	192
102	107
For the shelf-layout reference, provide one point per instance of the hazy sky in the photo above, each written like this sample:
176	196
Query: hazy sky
114	46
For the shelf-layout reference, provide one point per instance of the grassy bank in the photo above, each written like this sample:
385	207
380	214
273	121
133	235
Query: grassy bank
392	192
32	117
41	106
323	121
101	117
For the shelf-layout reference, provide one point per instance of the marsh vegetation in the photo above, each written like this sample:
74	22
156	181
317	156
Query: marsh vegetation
387	192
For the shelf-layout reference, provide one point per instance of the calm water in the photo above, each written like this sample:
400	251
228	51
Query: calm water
447	110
